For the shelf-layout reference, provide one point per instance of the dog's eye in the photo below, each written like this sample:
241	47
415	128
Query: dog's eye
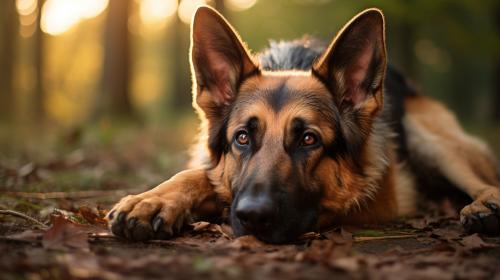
242	138
308	139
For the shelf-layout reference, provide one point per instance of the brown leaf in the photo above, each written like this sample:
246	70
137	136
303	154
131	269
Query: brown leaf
213	228
28	235
246	242
340	236
417	223
474	242
92	216
200	226
349	264
65	234
447	233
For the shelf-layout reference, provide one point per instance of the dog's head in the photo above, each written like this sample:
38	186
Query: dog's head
287	146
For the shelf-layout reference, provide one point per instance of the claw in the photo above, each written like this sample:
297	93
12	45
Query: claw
131	223
492	206
117	229
121	217
483	215
157	223
475	217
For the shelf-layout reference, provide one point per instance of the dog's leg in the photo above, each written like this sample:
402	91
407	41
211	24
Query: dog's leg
161	212
437	140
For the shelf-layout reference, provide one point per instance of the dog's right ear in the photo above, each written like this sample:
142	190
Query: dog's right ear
219	61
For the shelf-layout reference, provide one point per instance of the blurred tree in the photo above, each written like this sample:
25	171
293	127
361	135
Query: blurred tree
181	87
38	57
402	35
221	7
115	100
496	96
8	43
181	96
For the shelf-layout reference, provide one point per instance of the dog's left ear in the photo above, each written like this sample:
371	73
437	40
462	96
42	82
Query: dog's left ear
219	61
353	66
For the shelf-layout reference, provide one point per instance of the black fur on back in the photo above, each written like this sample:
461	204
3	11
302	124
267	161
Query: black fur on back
300	55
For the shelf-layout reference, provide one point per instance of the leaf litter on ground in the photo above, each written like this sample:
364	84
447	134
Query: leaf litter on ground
337	250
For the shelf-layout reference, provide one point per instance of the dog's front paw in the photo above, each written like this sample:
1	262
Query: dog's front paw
483	214
147	216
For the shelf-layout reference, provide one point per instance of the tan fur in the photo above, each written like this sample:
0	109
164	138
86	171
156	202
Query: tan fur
435	136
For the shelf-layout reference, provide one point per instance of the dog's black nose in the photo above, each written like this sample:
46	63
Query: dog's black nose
255	213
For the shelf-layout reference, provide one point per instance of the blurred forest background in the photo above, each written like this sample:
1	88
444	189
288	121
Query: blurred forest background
83	78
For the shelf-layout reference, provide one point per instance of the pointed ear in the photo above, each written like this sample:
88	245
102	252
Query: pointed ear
219	60
353	66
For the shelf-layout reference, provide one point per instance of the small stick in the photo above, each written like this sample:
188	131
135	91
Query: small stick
24	216
74	194
370	238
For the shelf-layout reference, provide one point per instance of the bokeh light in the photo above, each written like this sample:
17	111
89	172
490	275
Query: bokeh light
91	8
429	53
26	7
155	13
27	17
187	9
59	16
239	5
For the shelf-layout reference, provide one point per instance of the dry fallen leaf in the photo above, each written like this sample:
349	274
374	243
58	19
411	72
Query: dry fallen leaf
214	228
28	236
474	242
246	242
92	216
65	234
417	223
199	226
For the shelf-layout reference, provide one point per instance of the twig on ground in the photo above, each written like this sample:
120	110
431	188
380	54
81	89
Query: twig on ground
74	194
371	238
24	216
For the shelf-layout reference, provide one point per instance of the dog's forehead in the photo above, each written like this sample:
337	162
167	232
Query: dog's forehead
280	97
287	81
281	92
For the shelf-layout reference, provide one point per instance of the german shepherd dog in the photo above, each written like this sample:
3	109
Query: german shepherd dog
304	136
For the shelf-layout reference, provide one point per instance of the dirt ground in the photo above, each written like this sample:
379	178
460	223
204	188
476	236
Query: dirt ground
394	252
51	227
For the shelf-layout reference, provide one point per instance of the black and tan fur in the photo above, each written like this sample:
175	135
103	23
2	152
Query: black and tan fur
305	136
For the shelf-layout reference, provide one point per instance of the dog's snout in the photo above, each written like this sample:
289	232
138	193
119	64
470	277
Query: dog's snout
255	213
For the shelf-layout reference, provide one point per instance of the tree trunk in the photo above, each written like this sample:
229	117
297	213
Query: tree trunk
402	53
221	8
115	100
38	61
496	95
8	37
181	97
181	84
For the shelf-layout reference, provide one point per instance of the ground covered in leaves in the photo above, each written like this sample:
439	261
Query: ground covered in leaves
52	206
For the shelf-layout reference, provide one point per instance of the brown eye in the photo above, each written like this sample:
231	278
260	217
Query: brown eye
308	139
242	138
